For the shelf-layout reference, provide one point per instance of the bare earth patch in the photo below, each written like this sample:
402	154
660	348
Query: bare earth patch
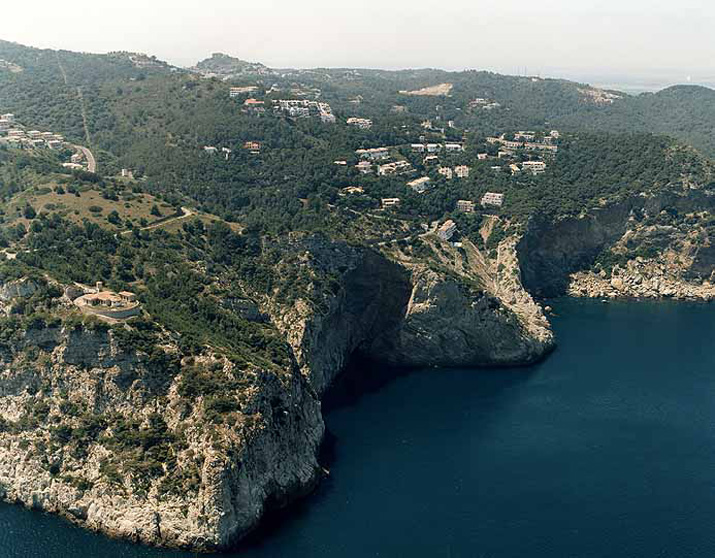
441	90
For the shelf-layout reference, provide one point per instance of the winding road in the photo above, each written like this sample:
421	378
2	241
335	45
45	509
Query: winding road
91	161
187	213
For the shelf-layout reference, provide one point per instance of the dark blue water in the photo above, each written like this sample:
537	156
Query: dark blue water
607	449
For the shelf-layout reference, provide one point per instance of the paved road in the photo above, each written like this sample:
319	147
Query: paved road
187	213
91	161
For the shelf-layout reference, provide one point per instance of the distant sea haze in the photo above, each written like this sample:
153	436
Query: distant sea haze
637	82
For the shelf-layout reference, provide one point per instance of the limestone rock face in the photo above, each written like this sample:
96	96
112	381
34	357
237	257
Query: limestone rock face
68	442
405	313
444	325
191	452
660	244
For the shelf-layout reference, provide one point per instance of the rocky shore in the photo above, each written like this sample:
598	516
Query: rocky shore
640	278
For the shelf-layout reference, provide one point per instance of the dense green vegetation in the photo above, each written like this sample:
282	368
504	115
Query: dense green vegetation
156	120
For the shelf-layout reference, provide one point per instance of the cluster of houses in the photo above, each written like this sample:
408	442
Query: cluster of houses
14	135
368	156
460	171
10	66
254	106
238	91
361	123
528	141
303	108
484	104
490	199
396	168
436	147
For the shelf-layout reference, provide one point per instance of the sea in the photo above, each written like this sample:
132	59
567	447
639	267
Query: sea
604	449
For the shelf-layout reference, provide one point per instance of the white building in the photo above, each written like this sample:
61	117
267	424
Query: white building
210	149
398	167
375	154
446	172
365	167
525	136
418	148
453	147
462	171
361	123
447	230
465	206
491	198
536	167
390	202
420	185
236	91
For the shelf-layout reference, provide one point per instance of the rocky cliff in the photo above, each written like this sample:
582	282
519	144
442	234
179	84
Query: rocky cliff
115	429
646	246
150	447
442	307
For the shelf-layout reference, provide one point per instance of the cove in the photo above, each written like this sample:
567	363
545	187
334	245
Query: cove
607	448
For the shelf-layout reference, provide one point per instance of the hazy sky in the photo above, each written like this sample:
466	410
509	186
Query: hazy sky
586	37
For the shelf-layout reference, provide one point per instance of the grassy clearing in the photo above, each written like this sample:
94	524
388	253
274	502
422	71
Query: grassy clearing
89	204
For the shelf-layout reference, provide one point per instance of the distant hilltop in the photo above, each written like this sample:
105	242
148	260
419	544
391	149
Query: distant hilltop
225	66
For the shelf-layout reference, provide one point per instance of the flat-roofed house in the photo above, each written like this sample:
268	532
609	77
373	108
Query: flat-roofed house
390	202
465	206
364	167
446	172
492	198
447	230
375	154
536	167
420	185
462	171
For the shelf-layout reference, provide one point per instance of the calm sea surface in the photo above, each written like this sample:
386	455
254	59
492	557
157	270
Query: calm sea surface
607	449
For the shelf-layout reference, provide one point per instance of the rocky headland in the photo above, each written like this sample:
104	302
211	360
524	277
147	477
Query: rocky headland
112	427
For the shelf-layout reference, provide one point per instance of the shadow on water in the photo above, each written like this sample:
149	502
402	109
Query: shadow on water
495	388
359	378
